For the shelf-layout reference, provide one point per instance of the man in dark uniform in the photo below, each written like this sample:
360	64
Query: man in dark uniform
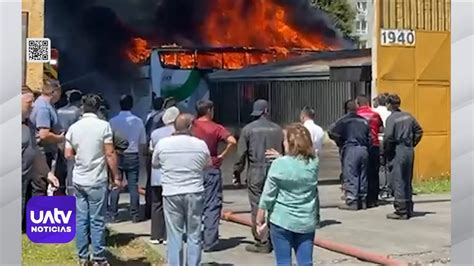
402	134
352	133
67	116
255	139
339	146
70	113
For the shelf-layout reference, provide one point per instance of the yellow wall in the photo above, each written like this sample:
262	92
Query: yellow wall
420	74
35	10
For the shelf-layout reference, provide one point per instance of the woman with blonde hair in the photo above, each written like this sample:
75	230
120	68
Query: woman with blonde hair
289	199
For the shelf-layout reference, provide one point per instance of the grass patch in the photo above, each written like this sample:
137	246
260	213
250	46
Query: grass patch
123	249
433	186
36	254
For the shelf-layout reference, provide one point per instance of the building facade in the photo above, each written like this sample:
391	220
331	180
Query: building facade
364	22
412	57
32	17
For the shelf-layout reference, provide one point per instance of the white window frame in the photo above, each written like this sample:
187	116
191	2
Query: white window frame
361	30
360	9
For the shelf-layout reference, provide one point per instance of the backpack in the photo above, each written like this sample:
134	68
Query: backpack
154	122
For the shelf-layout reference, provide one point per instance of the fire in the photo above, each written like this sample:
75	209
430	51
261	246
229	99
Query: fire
262	25
220	58
138	50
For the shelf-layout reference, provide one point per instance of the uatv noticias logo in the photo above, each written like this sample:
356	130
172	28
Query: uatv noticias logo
51	219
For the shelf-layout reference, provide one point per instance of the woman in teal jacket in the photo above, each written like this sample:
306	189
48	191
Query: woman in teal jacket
288	203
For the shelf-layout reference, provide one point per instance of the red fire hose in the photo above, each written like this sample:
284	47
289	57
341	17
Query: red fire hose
329	245
322	243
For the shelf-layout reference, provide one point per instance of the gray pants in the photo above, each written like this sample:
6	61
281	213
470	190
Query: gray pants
183	215
256	177
400	169
355	162
69	185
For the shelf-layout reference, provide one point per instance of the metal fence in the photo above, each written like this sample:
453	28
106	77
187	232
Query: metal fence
234	100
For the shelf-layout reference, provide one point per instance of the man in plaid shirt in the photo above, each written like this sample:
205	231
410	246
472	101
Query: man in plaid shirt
376	126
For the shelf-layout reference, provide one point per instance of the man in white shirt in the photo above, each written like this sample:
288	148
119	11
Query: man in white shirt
89	142
131	127
158	229
307	116
381	108
182	159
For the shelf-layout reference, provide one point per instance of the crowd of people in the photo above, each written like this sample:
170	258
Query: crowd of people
78	150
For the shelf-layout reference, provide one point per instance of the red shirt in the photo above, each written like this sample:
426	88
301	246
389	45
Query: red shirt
211	133
375	122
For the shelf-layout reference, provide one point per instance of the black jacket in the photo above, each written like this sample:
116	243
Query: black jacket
255	138
350	130
401	129
153	122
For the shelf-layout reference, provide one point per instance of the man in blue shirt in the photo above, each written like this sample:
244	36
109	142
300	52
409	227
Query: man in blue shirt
48	130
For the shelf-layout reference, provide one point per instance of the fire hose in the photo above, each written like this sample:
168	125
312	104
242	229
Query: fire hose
323	243
329	245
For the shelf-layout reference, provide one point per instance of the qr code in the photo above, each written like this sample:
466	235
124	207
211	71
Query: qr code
38	50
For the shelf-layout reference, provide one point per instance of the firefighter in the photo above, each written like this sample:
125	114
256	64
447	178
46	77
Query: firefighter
353	135
339	147
255	140
402	134
67	116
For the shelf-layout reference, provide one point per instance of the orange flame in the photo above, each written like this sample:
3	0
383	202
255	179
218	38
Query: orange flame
138	50
231	23
265	24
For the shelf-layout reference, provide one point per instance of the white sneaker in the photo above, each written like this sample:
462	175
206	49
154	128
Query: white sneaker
154	241
163	242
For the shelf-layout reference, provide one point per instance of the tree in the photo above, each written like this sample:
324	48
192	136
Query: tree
341	12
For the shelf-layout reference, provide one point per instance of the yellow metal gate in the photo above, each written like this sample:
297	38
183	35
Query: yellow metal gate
411	57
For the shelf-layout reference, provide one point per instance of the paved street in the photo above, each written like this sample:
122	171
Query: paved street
329	170
425	238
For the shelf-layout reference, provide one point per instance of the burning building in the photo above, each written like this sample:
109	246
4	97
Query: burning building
188	56
104	50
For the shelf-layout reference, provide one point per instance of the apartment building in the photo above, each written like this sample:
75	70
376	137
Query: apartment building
364	21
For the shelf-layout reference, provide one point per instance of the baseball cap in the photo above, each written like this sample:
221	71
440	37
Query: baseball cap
170	115
259	107
73	95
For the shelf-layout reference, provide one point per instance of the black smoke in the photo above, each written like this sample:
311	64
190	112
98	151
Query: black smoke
92	35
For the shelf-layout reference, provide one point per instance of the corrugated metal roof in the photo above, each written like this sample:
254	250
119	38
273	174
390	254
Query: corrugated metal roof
312	66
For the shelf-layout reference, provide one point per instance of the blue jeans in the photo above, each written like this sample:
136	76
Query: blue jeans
183	215
212	206
284	241
90	223
129	165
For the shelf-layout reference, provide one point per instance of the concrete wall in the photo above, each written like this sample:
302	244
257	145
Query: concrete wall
35	11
